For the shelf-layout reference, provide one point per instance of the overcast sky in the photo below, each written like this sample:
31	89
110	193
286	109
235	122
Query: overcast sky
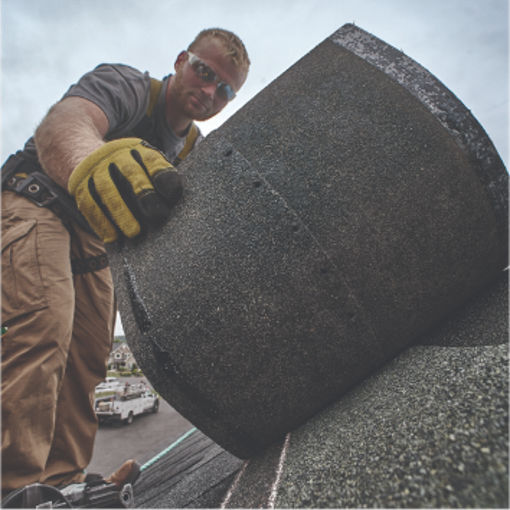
48	44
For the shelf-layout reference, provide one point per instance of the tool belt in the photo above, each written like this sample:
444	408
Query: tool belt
24	176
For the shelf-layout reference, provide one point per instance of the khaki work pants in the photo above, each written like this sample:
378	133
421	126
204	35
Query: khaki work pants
60	331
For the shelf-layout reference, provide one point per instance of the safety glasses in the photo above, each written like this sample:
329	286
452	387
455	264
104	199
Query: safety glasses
223	90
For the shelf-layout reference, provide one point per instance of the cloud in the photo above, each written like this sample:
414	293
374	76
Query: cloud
48	44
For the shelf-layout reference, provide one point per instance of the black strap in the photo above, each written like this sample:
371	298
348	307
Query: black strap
90	264
32	188
41	190
11	166
24	177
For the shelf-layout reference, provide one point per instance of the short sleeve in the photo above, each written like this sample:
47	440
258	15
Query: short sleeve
121	91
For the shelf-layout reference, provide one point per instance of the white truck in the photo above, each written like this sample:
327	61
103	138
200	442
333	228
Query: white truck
128	402
109	384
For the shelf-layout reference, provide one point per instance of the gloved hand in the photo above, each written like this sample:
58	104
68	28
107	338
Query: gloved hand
124	185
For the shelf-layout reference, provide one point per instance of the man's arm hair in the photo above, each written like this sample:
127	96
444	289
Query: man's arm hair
72	129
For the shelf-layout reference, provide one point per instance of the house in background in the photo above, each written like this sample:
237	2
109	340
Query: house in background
121	357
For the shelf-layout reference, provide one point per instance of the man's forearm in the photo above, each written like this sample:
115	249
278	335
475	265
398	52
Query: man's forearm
72	129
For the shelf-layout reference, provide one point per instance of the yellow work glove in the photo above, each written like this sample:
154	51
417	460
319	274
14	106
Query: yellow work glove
123	186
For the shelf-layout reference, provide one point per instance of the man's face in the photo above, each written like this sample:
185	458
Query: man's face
195	98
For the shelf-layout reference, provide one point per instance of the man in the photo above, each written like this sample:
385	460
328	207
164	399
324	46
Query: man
57	293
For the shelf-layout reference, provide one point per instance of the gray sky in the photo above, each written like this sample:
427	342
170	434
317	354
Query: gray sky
47	45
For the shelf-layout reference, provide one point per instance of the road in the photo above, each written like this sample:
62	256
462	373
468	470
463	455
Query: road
147	436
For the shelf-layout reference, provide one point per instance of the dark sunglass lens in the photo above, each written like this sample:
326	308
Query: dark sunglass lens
205	73
225	92
229	93
222	92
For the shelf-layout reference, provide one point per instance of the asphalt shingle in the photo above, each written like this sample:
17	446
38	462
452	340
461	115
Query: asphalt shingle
429	429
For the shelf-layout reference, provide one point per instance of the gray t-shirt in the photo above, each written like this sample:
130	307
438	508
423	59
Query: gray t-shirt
123	92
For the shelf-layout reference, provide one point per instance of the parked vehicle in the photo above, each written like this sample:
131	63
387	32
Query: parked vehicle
110	383
128	402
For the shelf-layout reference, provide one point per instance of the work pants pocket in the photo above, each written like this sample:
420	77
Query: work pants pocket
22	286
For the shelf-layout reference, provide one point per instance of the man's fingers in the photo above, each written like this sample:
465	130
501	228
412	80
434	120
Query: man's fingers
153	206
169	184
